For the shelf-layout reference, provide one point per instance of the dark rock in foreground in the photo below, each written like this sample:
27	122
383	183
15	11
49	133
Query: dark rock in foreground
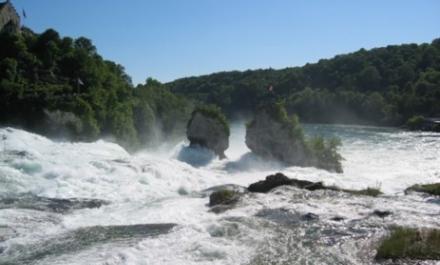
337	219
382	214
279	179
310	217
225	197
208	128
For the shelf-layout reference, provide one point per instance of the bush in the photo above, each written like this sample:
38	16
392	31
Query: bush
410	243
415	122
321	153
325	153
278	113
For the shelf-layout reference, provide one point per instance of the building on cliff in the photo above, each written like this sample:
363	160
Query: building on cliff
9	19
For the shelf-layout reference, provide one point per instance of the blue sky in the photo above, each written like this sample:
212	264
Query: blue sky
169	39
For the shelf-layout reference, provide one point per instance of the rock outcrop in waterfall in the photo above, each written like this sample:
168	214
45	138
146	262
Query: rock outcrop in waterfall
272	134
208	128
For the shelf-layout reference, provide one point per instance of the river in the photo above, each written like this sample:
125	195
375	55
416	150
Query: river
94	203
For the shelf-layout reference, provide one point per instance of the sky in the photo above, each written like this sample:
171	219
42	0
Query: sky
170	39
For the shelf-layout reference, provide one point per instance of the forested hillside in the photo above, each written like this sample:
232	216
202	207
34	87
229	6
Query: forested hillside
62	86
382	86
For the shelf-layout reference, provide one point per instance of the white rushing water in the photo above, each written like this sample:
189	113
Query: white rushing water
107	189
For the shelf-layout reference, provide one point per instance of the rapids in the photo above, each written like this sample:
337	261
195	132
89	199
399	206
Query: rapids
94	203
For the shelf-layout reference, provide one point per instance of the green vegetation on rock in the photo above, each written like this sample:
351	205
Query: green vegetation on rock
415	122
208	128
272	133
325	154
224	196
421	123
278	113
411	243
373	192
433	189
213	112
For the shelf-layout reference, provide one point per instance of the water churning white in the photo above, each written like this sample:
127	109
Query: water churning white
79	203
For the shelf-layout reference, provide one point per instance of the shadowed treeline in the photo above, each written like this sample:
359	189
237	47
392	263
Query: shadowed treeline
382	86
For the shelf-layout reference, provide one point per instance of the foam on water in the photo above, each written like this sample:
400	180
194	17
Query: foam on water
162	186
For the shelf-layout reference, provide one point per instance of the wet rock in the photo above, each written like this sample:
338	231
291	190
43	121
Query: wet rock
208	128
221	208
338	219
308	185
280	215
280	179
372	192
382	214
310	217
29	201
232	187
433	200
269	183
225	197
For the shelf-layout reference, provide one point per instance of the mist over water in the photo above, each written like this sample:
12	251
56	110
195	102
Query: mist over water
94	203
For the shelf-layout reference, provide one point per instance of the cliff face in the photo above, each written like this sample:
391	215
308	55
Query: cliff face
9	19
272	139
208	132
273	135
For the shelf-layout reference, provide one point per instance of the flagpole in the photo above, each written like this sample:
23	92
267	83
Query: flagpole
24	16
